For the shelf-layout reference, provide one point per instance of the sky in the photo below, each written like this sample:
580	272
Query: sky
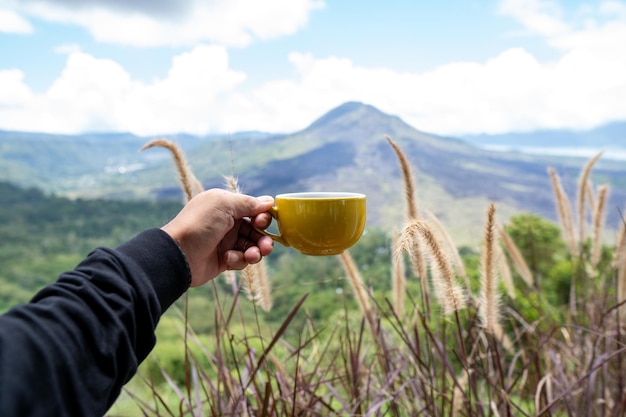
449	67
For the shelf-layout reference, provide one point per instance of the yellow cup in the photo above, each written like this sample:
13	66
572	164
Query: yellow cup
319	223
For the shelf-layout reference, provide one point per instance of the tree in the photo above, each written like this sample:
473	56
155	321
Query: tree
539	241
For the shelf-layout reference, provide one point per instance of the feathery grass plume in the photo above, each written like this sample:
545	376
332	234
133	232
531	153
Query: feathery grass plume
489	303
589	194
356	282
449	293
187	180
598	224
257	286
230	275
409	184
265	288
505	272
409	242
398	277
564	212
249	284
452	249
416	255
232	183
516	257
582	186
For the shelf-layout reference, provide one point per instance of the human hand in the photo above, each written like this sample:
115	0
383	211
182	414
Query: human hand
216	231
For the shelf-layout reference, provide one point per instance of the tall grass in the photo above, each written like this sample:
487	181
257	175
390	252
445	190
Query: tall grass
501	350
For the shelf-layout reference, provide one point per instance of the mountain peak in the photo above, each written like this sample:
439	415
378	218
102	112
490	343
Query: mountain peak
346	112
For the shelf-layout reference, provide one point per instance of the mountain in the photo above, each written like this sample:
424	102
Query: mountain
611	135
345	149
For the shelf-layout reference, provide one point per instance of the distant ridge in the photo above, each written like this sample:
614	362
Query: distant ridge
610	135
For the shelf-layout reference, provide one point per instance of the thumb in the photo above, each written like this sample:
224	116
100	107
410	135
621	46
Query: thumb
248	206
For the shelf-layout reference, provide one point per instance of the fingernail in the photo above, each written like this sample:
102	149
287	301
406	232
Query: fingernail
231	258
266	198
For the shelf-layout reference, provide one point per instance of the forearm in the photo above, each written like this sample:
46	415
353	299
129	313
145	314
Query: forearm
71	349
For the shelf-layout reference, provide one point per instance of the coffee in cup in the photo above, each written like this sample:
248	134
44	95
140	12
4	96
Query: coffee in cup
319	223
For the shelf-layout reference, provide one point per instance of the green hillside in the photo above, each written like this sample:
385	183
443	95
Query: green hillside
42	236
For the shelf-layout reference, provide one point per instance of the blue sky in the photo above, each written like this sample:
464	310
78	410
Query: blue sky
449	67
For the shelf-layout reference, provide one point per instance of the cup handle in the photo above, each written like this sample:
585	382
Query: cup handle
277	238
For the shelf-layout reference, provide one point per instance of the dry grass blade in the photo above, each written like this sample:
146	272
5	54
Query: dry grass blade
619	264
356	282
458	393
583	183
188	181
276	338
564	212
621	289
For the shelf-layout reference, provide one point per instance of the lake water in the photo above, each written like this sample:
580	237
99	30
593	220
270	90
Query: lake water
609	153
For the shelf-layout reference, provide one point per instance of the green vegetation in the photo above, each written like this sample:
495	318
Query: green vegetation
556	346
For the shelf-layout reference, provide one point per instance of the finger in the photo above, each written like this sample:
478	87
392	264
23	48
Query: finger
246	206
262	221
242	244
252	255
246	231
235	260
265	245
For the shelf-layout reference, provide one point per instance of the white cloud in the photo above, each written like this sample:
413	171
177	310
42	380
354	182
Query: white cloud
231	23
67	48
540	17
98	94
11	22
15	93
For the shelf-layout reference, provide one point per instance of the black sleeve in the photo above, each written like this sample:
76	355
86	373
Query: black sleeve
72	348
